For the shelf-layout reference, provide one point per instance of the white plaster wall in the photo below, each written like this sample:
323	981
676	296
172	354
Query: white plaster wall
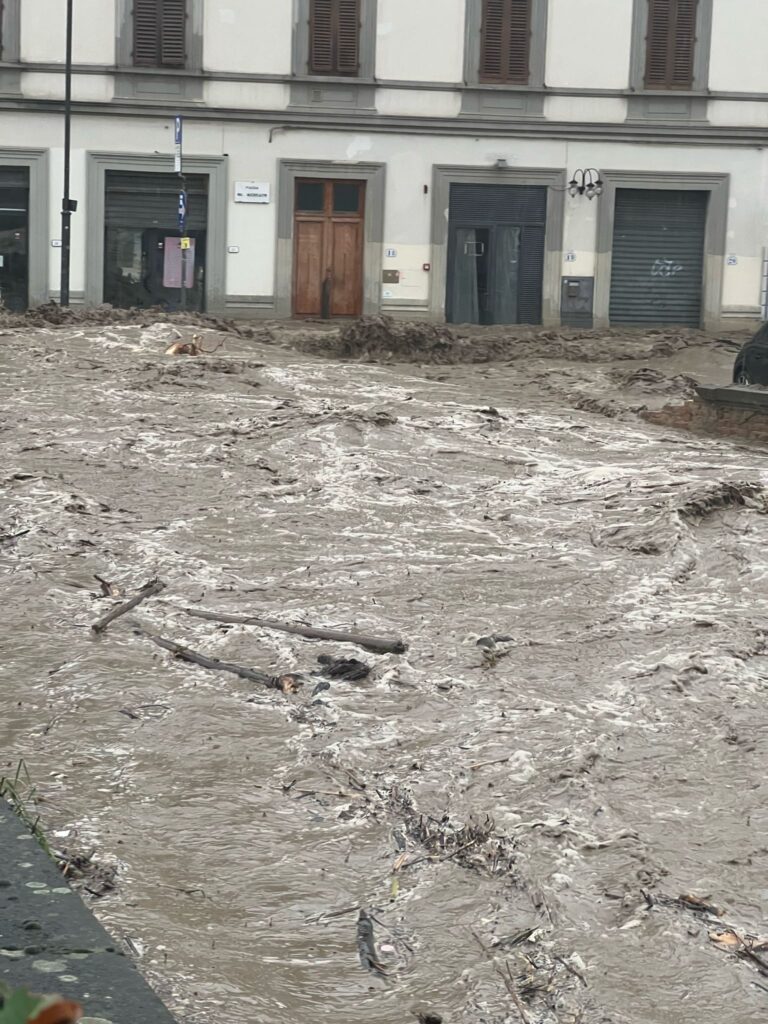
741	114
589	43
85	88
420	40
249	36
585	109
415	103
739	35
43	31
246	95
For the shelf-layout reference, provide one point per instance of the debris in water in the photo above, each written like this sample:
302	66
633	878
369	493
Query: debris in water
148	590
349	669
377	645
192	348
366	945
287	683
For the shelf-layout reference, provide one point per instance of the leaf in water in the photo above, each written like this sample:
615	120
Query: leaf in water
58	1011
726	940
18	1007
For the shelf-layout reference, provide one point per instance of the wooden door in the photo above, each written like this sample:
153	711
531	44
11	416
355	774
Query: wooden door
328	248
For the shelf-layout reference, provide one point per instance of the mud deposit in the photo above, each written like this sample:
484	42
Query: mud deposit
575	738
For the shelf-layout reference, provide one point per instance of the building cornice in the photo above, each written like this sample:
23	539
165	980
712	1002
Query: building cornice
52	68
656	133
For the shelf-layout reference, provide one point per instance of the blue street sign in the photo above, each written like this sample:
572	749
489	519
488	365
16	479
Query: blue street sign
178	143
183	212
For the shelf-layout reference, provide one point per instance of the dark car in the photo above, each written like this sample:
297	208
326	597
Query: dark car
751	366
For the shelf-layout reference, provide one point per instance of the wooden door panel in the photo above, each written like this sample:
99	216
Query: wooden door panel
308	268
346	268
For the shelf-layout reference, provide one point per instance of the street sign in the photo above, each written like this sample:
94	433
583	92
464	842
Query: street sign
186	243
252	192
182	212
179	142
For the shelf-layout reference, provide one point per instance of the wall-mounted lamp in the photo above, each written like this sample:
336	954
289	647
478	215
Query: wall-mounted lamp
501	164
586	183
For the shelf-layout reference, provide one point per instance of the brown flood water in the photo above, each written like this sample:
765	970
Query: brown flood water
628	704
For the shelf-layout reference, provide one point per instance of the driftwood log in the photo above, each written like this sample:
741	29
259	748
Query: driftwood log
286	683
377	645
148	590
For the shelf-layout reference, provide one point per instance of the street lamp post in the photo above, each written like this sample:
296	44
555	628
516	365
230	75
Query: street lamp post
67	206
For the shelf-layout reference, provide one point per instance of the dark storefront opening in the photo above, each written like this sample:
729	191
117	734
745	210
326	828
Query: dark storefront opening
142	241
496	254
14	234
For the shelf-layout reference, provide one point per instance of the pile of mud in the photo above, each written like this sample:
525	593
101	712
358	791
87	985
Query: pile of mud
52	315
377	339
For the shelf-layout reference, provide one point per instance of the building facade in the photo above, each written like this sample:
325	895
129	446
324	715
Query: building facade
413	157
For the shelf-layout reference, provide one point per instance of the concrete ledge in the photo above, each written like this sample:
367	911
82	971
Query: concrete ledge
736	395
734	412
51	943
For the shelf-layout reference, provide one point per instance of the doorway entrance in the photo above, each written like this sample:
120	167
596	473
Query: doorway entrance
14	234
329	223
496	254
142	248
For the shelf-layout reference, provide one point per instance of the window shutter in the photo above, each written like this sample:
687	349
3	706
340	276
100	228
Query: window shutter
505	45
671	44
321	37
173	33
160	33
518	59
334	37
348	37
684	45
146	27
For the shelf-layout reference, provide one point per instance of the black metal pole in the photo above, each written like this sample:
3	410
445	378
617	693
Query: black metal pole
66	205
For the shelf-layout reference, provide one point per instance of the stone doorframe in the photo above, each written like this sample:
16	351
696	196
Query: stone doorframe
216	247
553	179
39	248
717	185
374	175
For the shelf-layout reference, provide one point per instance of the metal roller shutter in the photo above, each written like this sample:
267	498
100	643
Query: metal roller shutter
658	257
14	177
498	204
148	200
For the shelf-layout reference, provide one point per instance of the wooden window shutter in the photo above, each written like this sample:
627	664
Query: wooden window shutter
505	44
334	37
683	45
160	33
671	44
348	37
146	32
173	33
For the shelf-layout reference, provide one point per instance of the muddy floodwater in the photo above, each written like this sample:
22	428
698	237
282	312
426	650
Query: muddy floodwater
575	738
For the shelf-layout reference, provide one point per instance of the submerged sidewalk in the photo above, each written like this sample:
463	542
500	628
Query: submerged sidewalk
50	942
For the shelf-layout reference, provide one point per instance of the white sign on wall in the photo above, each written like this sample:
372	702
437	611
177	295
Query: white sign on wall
252	192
